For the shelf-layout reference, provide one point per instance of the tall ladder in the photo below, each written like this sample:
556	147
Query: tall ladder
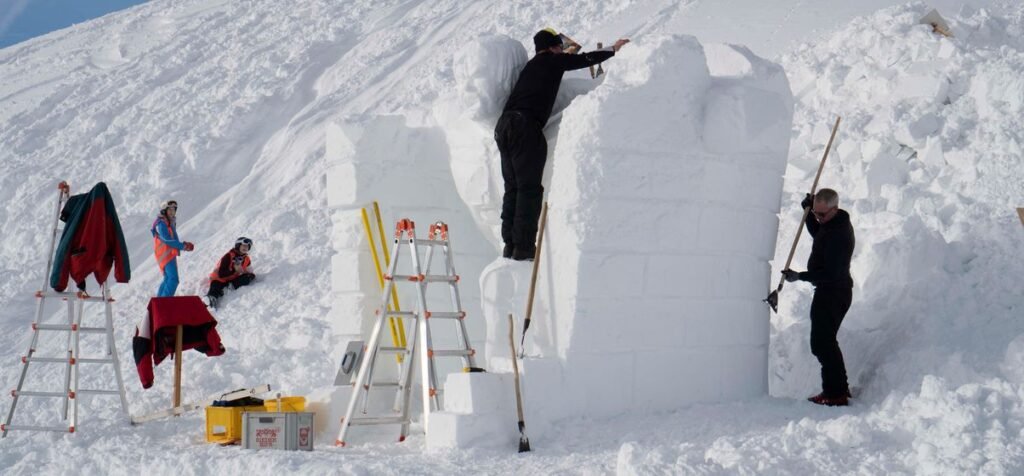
420	345
75	302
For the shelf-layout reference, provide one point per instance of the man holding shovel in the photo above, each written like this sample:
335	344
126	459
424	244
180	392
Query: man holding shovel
828	269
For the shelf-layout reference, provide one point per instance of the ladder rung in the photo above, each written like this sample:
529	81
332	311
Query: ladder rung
451	353
95	361
430	278
33	393
49	360
99	392
441	278
446	315
66	429
432	242
400	313
54	294
67	327
384	384
399	350
377	420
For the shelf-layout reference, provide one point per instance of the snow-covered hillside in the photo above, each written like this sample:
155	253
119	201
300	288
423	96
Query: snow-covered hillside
222	105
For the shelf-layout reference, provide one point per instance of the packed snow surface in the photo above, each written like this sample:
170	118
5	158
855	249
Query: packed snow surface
223	105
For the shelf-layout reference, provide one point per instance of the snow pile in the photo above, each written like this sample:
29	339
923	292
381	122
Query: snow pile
930	175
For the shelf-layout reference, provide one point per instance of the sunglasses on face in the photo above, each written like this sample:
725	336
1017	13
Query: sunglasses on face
822	214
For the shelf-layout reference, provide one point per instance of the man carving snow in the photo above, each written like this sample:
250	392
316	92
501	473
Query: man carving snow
828	269
520	136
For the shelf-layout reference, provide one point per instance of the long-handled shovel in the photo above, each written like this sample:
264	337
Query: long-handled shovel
524	442
533	278
773	298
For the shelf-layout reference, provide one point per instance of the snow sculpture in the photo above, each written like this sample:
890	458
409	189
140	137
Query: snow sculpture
664	194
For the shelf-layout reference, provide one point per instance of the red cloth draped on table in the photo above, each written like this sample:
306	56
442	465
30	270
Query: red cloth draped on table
154	337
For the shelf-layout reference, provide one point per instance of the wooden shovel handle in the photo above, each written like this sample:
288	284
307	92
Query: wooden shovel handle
814	188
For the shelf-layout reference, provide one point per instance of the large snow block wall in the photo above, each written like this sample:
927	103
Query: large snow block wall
664	194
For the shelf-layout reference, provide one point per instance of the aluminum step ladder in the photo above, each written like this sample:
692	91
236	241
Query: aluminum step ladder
71	360
420	348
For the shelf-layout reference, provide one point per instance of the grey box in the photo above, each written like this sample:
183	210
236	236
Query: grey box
280	431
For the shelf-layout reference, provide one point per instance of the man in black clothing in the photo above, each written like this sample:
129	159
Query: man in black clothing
520	137
828	269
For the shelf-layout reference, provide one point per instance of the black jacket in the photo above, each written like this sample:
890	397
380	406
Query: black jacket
535	91
829	263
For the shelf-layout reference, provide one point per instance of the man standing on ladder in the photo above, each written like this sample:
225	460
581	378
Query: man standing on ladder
166	247
520	136
828	269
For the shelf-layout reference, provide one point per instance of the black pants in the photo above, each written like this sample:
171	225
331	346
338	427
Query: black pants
828	308
523	154
217	287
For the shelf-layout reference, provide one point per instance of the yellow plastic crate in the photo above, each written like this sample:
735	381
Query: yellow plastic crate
288	404
224	424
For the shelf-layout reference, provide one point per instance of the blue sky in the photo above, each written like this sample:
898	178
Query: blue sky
24	19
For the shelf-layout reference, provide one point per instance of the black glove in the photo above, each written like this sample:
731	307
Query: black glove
808	202
791	275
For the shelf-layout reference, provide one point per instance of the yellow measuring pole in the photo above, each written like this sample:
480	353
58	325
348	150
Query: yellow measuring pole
387	262
380	277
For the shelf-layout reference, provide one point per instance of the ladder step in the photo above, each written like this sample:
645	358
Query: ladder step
46	360
430	278
67	327
64	429
452	353
95	361
33	393
54	294
99	392
385	384
377	420
400	313
397	350
432	242
446	315
441	278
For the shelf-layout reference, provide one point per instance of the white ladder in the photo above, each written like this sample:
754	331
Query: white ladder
420	344
72	359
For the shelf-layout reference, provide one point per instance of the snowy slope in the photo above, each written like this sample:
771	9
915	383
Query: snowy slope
222	105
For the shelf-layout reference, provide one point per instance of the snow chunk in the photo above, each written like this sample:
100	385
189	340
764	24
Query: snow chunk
485	72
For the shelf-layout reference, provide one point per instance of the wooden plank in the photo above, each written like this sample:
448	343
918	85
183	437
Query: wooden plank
176	402
1020	212
229	396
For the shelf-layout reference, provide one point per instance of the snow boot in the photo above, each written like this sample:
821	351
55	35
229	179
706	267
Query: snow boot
837	401
507	251
211	301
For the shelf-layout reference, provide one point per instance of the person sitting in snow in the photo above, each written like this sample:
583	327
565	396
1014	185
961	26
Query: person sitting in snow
166	247
828	269
520	136
233	269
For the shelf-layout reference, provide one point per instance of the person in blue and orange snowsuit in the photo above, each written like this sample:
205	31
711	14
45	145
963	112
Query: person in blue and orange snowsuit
167	246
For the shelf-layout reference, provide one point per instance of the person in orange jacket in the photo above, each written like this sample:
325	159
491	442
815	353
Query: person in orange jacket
234	269
167	246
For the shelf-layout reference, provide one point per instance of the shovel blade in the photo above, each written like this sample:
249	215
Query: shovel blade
773	301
